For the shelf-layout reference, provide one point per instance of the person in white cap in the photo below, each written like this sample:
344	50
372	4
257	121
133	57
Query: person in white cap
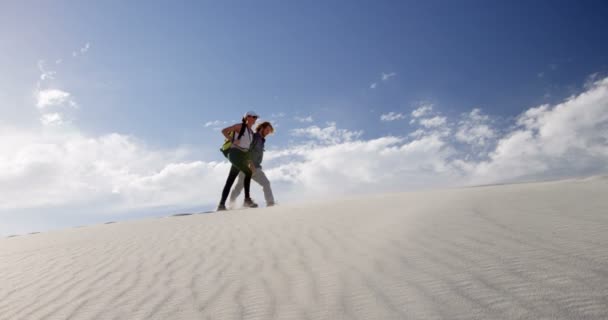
256	152
238	155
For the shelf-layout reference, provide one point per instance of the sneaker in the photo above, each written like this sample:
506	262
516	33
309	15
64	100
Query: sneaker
270	204
221	207
248	203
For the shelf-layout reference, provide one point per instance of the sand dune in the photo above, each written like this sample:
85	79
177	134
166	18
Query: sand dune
526	251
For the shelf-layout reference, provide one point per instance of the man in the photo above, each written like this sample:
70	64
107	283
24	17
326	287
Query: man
256	153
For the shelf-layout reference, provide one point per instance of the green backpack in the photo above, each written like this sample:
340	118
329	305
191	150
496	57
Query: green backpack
228	142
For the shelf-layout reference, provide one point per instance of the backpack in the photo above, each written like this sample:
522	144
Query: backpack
228	142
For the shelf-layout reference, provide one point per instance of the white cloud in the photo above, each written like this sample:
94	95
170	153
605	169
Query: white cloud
52	119
475	129
387	76
278	115
422	110
304	119
45	74
214	123
60	167
418	133
82	50
328	135
361	166
565	140
568	139
384	77
591	80
391	116
52	97
433	122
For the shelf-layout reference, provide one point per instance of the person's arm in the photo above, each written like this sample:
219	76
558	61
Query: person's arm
257	150
228	130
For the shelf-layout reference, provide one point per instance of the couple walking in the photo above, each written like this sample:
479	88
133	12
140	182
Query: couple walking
244	148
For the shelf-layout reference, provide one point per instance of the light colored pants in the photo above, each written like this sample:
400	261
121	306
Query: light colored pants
258	176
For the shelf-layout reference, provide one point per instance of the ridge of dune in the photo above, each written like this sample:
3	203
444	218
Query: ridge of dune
525	251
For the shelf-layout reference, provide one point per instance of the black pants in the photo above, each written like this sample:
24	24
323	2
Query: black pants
239	160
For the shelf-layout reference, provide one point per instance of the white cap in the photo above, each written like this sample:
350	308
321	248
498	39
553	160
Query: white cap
250	113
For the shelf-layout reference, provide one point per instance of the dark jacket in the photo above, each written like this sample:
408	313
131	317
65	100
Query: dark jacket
256	151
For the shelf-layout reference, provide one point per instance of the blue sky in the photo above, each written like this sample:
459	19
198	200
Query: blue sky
159	79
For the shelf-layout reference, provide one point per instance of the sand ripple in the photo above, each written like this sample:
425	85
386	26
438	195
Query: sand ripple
528	251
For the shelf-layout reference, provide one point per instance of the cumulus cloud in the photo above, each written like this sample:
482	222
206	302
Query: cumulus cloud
214	123
568	139
52	119
475	129
564	140
60	167
361	166
430	121
304	119
53	97
44	73
422	110
328	135
434	122
54	168
391	116
373	85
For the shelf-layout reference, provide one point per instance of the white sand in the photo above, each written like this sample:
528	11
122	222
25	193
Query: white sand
527	251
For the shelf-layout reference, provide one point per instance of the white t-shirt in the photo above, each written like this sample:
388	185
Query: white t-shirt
245	141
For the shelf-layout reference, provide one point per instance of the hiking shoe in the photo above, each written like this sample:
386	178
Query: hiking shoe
248	203
221	207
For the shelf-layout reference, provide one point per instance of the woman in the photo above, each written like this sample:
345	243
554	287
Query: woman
238	155
257	154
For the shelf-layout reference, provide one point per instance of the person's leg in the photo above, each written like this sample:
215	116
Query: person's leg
238	187
240	160
234	172
247	184
248	203
260	177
